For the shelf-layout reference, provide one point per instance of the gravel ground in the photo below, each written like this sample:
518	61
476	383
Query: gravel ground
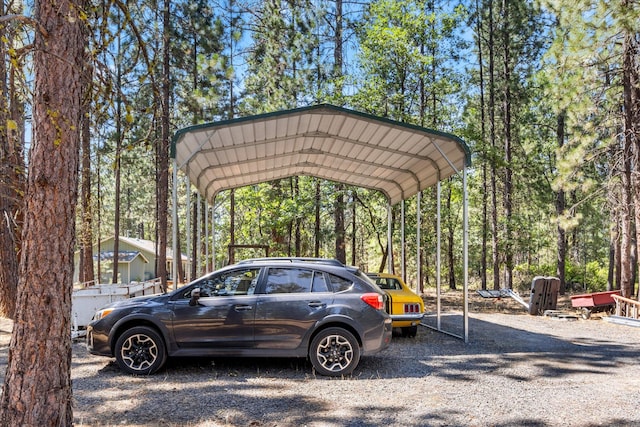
516	370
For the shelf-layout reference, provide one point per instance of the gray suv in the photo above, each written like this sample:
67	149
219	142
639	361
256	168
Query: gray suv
268	307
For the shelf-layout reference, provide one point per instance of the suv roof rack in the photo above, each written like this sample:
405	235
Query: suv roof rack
327	261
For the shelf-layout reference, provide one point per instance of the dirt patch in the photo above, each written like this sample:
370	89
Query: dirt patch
452	300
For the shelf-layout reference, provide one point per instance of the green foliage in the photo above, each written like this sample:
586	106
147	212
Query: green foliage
580	277
406	57
405	60
280	63
200	63
591	277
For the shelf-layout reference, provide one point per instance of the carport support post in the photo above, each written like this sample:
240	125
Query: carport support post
213	234
174	214
465	252
438	256
206	236
389	252
402	254
188	228
199	237
418	227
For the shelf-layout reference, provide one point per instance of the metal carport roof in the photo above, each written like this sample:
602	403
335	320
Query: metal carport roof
328	142
324	141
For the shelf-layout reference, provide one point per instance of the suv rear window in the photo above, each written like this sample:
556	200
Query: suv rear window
295	280
339	284
288	280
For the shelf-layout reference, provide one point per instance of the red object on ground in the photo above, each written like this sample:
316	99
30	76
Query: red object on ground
595	299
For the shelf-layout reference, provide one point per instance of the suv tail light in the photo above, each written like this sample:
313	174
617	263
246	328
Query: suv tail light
374	300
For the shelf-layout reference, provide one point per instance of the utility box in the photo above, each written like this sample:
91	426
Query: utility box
544	294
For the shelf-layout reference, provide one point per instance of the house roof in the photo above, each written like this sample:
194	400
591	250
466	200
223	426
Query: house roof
145	246
324	141
123	256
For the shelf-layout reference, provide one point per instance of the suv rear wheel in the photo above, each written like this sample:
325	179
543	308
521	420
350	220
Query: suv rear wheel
140	351
334	352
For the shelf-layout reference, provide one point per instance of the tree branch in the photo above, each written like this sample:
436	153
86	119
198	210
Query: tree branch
28	20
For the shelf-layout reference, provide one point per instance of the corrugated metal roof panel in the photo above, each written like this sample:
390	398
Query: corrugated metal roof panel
324	141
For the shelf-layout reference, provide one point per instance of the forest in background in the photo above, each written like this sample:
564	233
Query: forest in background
546	95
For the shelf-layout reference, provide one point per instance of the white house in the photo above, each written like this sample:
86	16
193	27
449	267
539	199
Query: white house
136	260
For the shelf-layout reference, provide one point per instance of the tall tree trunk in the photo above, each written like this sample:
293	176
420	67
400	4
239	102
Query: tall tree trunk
338	205
612	257
485	183
316	226
508	173
11	182
626	284
117	163
492	135
163	154
631	97
617	254
278	238
37	386
298	221
560	208
338	217
232	225
337	51
86	272
450	241
353	229
177	259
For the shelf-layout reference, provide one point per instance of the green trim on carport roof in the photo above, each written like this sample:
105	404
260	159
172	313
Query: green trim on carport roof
259	117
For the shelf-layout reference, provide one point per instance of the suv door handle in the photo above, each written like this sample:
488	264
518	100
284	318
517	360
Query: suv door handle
317	304
242	307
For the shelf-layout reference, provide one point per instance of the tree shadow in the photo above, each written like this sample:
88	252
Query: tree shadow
255	391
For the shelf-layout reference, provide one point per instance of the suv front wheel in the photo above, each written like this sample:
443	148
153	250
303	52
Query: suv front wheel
334	352
140	351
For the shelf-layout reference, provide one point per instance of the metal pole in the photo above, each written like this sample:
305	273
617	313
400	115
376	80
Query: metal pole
438	256
465	251
389	251
188	229
199	238
213	234
418	239
206	237
402	252
174	215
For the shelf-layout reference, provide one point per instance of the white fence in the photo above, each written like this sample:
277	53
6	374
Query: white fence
86	301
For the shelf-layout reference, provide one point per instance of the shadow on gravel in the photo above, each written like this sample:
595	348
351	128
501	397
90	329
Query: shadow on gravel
283	392
491	348
236	391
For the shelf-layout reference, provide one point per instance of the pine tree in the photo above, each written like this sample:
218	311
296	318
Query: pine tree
36	370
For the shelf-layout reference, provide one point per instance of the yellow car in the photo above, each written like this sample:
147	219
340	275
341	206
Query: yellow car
404	306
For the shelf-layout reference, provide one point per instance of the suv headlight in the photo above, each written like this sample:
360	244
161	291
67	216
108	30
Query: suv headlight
102	313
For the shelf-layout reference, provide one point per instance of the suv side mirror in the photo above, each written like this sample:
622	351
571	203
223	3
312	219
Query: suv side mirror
195	296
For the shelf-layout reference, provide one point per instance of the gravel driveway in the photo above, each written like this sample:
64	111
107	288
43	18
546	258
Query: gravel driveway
516	370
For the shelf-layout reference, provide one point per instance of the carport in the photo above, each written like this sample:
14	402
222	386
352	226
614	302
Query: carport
333	143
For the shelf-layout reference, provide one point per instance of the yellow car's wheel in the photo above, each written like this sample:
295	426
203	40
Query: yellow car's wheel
410	331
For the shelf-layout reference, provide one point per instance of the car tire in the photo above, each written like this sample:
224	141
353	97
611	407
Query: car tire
140	351
334	352
410	331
